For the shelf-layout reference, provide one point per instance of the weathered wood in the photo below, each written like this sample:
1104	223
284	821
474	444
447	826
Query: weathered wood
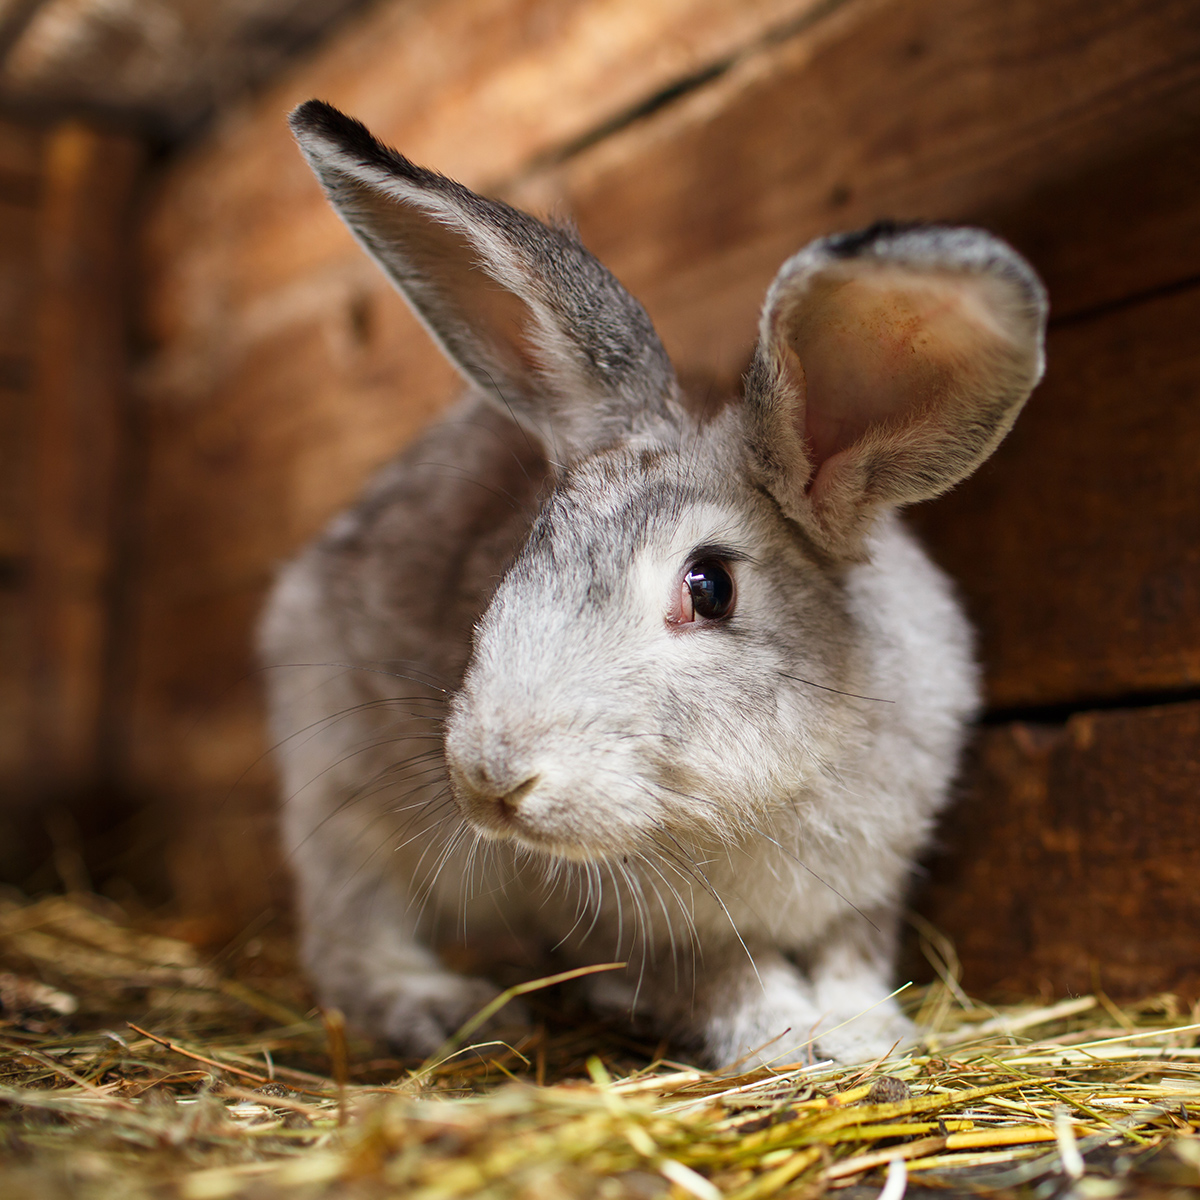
1073	863
1128	225
477	88
157	64
79	383
283	368
912	110
982	106
20	187
1078	545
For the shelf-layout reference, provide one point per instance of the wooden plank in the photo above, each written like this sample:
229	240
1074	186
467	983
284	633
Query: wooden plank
1128	225
911	109
477	88
1073	861
80	393
167	73
21	148
707	195
1078	545
18	288
20	165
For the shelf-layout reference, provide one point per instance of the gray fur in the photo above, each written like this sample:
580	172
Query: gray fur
491	730
520	307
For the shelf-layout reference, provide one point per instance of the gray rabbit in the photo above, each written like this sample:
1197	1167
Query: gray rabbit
584	673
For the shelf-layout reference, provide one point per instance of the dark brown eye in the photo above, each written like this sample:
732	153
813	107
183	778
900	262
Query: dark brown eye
708	591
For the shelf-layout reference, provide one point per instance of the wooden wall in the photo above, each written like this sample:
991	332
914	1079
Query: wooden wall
157	66
66	192
698	143
20	188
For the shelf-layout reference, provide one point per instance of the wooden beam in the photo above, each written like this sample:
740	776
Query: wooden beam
79	381
20	191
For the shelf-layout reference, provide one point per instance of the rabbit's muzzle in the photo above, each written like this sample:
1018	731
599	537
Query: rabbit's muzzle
491	792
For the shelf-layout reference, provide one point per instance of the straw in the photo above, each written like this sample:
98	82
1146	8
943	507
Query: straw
131	1067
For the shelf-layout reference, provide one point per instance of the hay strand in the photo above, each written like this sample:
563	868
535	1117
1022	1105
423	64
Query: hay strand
129	1066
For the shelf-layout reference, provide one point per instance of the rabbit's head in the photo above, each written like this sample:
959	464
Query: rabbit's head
670	653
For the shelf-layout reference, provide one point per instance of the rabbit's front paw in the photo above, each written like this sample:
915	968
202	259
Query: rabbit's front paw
420	1011
767	1017
866	1037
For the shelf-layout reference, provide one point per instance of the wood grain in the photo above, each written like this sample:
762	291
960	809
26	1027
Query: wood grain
282	369
1078	545
20	190
956	111
479	89
79	380
1073	861
1126	226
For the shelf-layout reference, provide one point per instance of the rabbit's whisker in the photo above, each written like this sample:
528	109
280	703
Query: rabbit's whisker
724	907
836	691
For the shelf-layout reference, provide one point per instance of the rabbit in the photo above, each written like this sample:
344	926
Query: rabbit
589	676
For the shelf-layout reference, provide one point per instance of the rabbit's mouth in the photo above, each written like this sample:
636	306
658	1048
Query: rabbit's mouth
535	817
497	817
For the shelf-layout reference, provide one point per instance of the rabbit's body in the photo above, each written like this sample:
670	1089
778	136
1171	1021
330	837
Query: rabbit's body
722	782
379	589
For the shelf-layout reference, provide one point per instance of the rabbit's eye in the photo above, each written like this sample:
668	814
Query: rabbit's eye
707	591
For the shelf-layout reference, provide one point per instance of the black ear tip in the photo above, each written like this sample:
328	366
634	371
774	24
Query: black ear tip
310	115
323	130
317	117
318	126
851	245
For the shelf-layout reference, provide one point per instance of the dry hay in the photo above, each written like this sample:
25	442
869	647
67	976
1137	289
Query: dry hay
132	1069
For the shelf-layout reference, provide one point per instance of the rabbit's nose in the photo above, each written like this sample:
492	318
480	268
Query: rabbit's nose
497	783
511	800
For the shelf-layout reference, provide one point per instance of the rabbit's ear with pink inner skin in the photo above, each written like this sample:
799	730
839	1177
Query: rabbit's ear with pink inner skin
520	307
890	364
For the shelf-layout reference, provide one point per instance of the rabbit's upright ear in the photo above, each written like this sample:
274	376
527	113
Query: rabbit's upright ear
520	307
890	364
